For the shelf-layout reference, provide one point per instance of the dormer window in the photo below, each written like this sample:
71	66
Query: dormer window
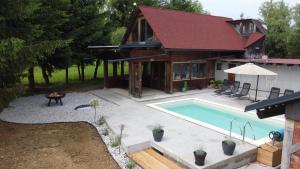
142	31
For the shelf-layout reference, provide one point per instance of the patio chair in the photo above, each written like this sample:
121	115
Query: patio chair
244	92
225	86
234	89
274	93
288	91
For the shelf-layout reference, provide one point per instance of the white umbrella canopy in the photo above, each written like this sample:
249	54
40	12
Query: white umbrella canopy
251	69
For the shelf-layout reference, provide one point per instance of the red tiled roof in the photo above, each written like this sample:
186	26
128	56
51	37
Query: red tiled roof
253	38
185	30
267	61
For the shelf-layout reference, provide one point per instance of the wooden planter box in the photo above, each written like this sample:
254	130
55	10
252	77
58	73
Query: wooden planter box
270	155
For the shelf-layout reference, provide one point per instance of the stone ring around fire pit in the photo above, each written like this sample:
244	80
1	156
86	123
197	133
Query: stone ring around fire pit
55	96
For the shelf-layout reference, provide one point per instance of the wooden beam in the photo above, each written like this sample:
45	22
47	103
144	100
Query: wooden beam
140	79
105	73
115	69
122	69
287	143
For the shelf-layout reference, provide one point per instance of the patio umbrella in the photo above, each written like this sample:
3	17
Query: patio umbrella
251	69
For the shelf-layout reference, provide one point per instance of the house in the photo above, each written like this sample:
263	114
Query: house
289	106
166	49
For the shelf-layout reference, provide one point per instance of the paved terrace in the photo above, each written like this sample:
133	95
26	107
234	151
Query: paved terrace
181	137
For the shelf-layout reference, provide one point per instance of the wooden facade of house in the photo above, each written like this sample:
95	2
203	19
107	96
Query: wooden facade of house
166	49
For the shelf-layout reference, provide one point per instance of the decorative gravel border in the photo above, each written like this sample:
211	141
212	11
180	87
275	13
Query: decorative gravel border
120	157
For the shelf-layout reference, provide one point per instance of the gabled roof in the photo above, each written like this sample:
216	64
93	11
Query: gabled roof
253	38
185	30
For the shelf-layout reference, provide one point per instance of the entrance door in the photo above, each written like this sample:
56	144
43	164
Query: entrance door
231	77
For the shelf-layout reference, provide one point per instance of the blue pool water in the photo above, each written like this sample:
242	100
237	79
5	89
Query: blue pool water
220	117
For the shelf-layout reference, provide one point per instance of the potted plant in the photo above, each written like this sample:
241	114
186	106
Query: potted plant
200	155
158	133
212	83
228	146
184	87
217	84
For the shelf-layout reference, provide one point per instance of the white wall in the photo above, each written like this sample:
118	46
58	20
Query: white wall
288	78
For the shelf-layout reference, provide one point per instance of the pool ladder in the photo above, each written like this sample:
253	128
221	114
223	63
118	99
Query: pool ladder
231	123
243	131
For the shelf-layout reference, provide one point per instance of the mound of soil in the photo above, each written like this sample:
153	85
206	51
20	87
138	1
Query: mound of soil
53	146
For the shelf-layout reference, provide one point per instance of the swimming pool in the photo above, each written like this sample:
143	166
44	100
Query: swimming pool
218	117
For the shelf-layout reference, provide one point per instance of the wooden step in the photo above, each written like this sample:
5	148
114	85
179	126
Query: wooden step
150	159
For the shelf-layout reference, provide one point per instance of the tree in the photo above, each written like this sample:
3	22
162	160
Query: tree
87	27
52	16
277	17
185	5
117	35
294	45
17	35
120	11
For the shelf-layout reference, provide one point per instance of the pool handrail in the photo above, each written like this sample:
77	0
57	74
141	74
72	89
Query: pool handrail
244	130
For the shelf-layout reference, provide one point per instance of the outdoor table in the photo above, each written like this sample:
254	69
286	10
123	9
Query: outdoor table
55	96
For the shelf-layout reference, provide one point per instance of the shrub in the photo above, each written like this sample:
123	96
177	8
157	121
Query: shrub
200	151
105	132
115	141
100	121
157	129
9	94
130	164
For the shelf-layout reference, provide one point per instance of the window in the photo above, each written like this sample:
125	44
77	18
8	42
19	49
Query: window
181	71
219	66
135	36
143	30
198	70
176	72
185	71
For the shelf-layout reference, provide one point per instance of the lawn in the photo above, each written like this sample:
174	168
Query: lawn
75	145
58	77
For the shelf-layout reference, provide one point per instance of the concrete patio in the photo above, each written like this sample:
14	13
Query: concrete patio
181	137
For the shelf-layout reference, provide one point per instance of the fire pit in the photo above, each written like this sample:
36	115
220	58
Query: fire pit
55	96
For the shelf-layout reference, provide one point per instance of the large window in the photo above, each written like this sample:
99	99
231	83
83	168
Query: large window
198	70
142	31
188	71
181	71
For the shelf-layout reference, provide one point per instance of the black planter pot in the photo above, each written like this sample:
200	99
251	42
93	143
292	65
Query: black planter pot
228	147
200	158
157	135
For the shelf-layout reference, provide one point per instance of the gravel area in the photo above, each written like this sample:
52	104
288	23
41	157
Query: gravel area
34	110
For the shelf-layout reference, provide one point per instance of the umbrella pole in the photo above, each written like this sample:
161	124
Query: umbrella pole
256	88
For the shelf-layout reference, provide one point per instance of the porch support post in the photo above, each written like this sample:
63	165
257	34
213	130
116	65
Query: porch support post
140	79
122	69
131	77
115	69
105	73
171	77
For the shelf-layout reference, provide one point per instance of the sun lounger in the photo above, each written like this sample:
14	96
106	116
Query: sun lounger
234	89
287	92
274	93
225	86
244	92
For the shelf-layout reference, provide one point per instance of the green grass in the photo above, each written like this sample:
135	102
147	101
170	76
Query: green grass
58	76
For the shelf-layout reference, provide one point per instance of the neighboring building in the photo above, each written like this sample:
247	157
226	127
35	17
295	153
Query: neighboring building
167	48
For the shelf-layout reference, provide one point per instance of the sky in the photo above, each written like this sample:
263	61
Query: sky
233	8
